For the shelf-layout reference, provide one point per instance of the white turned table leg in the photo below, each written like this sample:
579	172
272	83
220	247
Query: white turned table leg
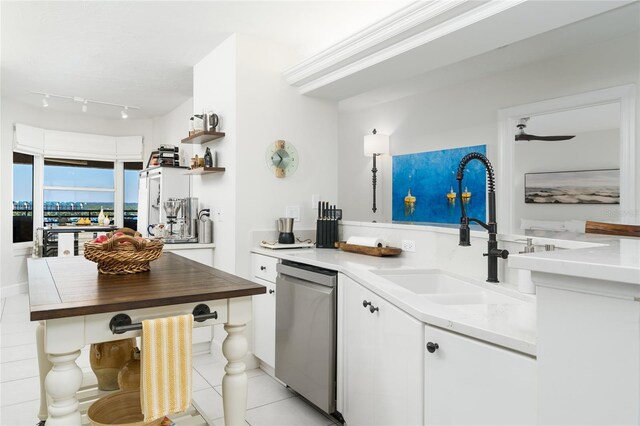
62	383
234	382
44	366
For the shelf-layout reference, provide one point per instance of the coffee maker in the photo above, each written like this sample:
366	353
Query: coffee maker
285	230
182	216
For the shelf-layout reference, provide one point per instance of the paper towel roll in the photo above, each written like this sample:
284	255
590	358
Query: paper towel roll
65	244
366	241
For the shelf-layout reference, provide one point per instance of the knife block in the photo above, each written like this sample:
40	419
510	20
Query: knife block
326	233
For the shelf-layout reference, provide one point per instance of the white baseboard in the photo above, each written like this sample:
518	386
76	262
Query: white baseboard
14	290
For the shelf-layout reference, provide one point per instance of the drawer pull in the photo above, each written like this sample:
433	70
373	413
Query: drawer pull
262	268
365	303
373	309
121	323
271	291
432	347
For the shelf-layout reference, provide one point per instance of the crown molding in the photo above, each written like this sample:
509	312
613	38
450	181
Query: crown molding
406	29
401	21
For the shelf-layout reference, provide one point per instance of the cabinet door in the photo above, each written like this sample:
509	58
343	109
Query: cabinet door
264	324
360	342
383	378
472	382
399	366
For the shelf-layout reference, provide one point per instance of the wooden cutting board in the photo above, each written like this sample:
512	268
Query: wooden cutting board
369	251
612	229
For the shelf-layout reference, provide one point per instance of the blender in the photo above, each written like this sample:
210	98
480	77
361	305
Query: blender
285	230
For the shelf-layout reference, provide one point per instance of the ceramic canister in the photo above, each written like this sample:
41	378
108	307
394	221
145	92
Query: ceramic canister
129	375
107	359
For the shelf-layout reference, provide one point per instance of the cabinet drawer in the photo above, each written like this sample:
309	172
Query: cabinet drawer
97	326
264	267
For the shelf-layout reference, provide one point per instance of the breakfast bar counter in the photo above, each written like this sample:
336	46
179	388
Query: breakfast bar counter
75	305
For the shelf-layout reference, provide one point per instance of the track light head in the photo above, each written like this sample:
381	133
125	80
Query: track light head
124	109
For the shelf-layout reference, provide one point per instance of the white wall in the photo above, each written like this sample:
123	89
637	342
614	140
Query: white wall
215	89
466	114
170	129
241	81
269	109
587	151
13	273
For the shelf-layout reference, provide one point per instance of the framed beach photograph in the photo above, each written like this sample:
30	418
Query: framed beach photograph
576	187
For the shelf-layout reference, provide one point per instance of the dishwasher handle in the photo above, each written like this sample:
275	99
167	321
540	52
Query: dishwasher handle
323	277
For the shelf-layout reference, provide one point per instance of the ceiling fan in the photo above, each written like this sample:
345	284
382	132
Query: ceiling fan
522	136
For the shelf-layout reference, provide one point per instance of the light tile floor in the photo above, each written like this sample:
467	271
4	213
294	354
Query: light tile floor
268	402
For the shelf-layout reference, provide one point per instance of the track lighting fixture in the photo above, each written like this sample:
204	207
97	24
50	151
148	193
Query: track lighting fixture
124	112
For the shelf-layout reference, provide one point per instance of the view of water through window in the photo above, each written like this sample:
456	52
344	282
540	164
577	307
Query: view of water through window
74	192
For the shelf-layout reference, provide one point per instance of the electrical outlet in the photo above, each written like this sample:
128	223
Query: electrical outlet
408	245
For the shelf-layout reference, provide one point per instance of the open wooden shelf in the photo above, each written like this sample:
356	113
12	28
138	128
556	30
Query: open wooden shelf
205	170
202	137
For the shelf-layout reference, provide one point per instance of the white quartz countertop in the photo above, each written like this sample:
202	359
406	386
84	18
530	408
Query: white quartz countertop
619	261
511	325
188	246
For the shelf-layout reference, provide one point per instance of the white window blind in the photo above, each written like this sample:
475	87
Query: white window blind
82	146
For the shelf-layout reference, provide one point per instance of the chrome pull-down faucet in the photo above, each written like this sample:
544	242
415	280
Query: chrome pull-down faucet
493	252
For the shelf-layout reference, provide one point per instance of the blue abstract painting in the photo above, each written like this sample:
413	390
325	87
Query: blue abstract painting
425	186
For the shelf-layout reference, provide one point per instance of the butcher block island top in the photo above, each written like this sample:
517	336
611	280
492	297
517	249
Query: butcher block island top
72	286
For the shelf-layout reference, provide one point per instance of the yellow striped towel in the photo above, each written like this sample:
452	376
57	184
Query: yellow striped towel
166	366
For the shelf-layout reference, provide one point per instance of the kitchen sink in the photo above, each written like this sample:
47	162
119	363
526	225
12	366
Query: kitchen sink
426	281
480	298
439	287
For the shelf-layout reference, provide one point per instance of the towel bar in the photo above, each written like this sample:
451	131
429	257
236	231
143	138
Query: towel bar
121	323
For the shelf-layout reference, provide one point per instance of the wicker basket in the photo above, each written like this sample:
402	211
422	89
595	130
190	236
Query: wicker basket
116	257
120	408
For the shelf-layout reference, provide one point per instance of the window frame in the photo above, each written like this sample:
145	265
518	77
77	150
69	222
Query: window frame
114	190
39	188
23	245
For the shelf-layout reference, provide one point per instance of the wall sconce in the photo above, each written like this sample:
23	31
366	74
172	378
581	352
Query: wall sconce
374	145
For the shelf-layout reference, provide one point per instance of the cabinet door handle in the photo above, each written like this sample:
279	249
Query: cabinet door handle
365	303
271	291
372	308
262	268
432	347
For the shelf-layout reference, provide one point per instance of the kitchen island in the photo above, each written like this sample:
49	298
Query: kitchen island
588	321
75	305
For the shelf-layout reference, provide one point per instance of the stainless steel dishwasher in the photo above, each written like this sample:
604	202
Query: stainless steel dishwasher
306	332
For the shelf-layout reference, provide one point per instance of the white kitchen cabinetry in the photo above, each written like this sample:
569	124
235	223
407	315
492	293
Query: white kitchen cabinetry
382	356
588	350
471	382
264	309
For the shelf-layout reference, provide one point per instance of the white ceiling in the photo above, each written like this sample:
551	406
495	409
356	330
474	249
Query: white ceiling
141	52
555	43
